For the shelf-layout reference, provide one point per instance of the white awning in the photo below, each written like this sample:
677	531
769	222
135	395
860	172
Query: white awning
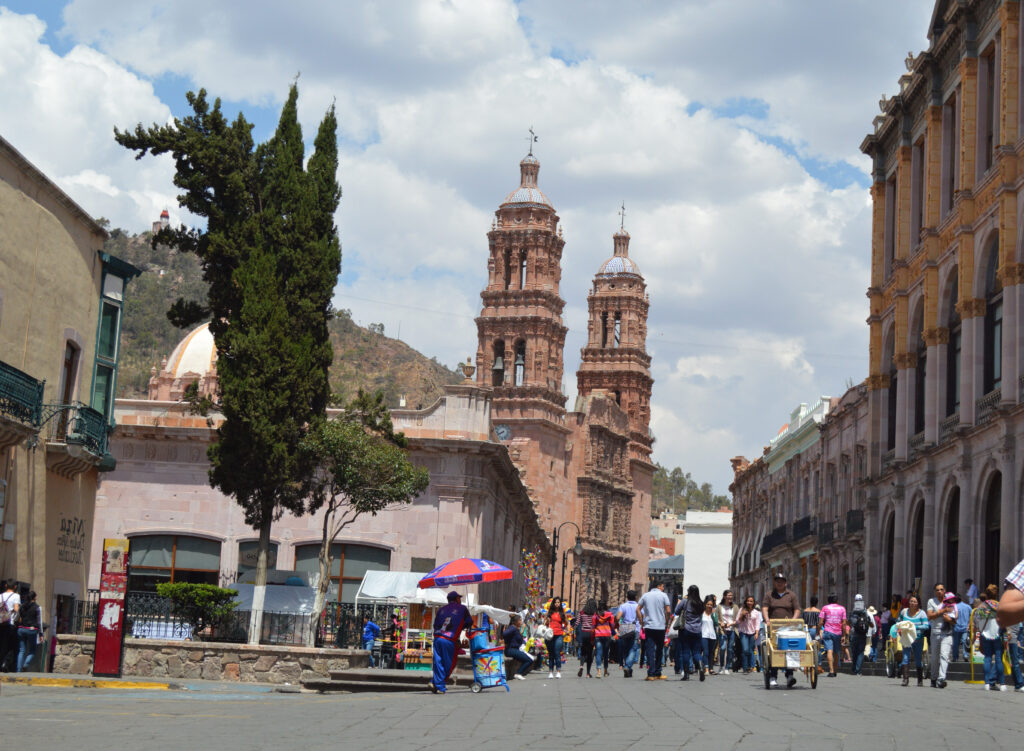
398	587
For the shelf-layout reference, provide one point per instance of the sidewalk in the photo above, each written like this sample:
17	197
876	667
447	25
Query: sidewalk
61	680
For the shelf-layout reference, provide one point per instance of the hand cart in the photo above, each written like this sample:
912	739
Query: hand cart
775	656
488	661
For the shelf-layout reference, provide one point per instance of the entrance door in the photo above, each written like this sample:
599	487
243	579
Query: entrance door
993	502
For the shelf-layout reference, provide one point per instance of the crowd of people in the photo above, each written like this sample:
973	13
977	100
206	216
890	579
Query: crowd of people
705	636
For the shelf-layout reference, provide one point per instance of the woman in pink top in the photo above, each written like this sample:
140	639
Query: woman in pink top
833	626
747	624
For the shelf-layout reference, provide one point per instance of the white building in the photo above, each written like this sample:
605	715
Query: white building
708	549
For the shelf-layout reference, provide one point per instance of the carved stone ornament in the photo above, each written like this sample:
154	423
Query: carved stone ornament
905	360
877	382
936	336
468	369
971	307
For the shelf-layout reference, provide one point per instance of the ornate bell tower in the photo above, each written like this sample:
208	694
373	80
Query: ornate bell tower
520	330
615	359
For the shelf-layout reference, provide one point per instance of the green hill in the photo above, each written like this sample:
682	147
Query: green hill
363	357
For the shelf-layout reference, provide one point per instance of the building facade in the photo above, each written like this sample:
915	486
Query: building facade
934	485
181	529
60	311
588	471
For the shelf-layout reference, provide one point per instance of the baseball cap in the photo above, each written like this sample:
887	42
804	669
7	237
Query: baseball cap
780	575
454	596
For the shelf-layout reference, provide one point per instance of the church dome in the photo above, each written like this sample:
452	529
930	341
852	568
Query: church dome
618	265
527	194
194	354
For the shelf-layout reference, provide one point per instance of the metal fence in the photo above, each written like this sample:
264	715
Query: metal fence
150	616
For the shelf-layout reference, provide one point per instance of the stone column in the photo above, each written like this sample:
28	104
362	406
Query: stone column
900	554
872	540
937	340
905	364
972	356
966	563
1009	510
929	564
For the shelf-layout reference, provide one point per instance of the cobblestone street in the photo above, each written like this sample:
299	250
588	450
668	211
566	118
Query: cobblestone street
722	713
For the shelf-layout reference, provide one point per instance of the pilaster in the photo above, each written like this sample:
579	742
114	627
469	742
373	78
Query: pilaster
1009	72
968	120
903	204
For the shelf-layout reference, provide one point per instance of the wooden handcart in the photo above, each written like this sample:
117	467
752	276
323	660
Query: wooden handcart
789	659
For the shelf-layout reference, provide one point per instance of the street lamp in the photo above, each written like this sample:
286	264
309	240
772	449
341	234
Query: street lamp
577	551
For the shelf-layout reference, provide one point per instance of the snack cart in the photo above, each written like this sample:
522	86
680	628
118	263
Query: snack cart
788	645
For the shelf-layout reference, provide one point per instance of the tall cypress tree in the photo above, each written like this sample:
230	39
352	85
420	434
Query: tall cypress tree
271	255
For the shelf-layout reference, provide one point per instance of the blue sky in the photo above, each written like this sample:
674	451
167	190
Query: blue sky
730	128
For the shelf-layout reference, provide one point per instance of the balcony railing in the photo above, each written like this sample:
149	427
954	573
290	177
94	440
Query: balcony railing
854	521
21	395
888	458
825	532
76	424
948	426
778	536
987	404
803	527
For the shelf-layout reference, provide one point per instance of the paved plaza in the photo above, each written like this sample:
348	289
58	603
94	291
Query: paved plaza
725	712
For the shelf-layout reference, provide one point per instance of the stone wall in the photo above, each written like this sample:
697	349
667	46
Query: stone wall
213	661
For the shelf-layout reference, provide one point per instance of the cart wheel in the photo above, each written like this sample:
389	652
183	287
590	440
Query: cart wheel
765	668
890	665
814	675
476	688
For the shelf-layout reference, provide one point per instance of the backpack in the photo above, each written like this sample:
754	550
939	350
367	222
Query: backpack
859	622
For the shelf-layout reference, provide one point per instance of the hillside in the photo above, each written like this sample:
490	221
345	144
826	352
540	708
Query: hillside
363	357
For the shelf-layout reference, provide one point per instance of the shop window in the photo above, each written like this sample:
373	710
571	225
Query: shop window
172	558
349	564
247	555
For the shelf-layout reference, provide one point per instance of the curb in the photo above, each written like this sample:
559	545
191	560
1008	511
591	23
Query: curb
88	683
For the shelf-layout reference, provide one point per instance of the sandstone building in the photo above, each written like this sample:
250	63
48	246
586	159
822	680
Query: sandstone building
936	478
588	469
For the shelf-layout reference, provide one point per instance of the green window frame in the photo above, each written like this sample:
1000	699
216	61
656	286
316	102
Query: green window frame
115	277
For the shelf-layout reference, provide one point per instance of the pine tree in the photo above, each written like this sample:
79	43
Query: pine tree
271	256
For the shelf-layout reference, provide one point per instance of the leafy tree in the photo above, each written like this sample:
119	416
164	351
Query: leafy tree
200	605
676	491
363	469
270	255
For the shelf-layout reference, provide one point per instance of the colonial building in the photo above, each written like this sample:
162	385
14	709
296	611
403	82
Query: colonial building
181	529
590	468
60	310
934	488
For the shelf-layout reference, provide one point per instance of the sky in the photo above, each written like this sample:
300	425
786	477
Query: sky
729	128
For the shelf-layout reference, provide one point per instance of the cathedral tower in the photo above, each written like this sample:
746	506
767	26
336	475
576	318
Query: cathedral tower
615	359
521	337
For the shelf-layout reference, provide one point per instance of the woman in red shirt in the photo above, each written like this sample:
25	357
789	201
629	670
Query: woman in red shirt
603	623
557	623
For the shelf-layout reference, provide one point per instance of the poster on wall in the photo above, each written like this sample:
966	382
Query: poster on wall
110	613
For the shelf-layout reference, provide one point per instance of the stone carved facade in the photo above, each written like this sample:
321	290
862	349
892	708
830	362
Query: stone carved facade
590	466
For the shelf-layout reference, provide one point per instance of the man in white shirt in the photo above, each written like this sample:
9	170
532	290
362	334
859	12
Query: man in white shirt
654	611
942	616
10	604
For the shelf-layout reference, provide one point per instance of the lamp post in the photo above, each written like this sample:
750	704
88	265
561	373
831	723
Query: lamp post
577	550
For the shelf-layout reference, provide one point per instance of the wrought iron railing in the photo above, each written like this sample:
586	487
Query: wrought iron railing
826	532
150	616
803	527
776	537
78	424
854	521
987	404
21	395
888	458
948	426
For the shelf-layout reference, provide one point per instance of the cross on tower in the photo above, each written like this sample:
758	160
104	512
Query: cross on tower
622	216
532	139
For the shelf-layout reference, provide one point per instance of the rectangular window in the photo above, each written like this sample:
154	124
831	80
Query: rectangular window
102	386
890	225
950	152
986	111
249	551
178	558
917	191
107	346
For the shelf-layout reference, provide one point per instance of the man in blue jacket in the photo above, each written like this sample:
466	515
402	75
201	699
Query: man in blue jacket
448	625
371	632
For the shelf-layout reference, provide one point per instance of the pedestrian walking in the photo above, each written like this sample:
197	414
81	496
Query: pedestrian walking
448	626
862	628
584	627
833	629
878	633
371	632
689	612
1013	645
513	638
911	626
780	604
990	635
10	602
728	612
709	633
604	623
557	624
970	592
748	624
628	641
653	611
29	629
942	615
963	622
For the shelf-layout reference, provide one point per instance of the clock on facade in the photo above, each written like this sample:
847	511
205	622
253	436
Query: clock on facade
504	432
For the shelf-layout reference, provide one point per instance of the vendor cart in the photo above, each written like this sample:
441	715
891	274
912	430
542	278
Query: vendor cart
488	660
784	647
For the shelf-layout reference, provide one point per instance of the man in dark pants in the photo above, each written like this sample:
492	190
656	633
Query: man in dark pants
10	603
780	603
654	611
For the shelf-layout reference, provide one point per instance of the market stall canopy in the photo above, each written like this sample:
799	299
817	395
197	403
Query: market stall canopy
399	587
465	571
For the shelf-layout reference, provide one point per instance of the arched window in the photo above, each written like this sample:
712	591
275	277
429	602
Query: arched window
349	564
991	523
919	379
993	376
953	535
508	269
604	329
953	350
917	569
520	371
889	553
172	558
522	271
498	369
618	397
618	328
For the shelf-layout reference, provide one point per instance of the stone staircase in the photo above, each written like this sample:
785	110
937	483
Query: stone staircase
375	680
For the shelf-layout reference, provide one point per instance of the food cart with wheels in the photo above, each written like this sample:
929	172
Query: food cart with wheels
787	645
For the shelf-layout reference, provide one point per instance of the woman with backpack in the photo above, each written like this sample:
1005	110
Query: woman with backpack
604	621
861	629
584	626
28	630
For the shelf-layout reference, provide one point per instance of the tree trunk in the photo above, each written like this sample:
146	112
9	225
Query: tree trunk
324	559
259	590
